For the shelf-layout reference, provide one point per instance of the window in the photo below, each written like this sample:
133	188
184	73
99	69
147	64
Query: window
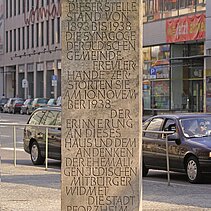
58	30
170	125
59	119
42	33
27	5
19	38
10	8
7	8
27	38
10	40
36	118
23	38
37	34
7	39
32	35
14	39
52	32
19	7
23	6
47	32
154	125
49	118
15	8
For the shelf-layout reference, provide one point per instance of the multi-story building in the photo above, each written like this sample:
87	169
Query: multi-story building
177	50
30	48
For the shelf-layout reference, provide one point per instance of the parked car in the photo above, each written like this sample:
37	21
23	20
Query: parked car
16	106
8	107
26	108
189	145
3	101
51	102
39	102
59	101
34	137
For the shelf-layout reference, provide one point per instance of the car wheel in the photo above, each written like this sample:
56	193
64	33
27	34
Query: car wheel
145	170
36	157
193	170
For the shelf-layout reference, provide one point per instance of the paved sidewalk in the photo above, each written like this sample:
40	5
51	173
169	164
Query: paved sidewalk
31	188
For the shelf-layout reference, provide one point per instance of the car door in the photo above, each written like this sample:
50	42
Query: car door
153	154
170	125
37	133
53	133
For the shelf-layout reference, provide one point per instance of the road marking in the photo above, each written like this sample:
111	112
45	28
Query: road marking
12	149
5	136
172	183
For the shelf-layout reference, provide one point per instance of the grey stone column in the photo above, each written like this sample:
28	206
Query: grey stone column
55	73
101	105
35	79
17	80
45	79
25	76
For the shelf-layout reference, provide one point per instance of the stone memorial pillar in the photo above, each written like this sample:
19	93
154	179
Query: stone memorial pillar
101	116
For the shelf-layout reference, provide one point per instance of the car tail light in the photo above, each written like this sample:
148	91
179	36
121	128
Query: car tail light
36	105
210	155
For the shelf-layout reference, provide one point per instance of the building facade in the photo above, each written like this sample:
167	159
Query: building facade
177	50
177	54
30	48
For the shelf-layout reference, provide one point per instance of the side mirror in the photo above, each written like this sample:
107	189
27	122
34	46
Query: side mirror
174	137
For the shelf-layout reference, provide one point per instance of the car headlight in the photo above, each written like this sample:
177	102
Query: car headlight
210	155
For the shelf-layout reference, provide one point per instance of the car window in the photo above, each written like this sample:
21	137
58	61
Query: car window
49	118
36	118
42	100
154	125
59	119
170	125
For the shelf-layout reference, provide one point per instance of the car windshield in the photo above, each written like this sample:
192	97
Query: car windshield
42	100
196	127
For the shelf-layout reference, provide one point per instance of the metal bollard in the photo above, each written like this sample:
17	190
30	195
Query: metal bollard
46	148
167	160
14	144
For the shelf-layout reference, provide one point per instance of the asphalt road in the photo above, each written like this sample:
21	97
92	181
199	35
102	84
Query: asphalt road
27	187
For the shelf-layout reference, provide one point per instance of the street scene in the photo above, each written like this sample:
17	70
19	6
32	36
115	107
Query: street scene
105	105
28	187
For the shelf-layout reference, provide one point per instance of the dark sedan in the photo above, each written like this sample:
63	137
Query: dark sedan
34	137
189	146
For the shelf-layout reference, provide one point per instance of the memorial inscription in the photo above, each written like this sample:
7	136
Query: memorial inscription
100	134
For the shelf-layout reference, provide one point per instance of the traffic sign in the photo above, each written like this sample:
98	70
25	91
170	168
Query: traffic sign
24	83
54	80
153	72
